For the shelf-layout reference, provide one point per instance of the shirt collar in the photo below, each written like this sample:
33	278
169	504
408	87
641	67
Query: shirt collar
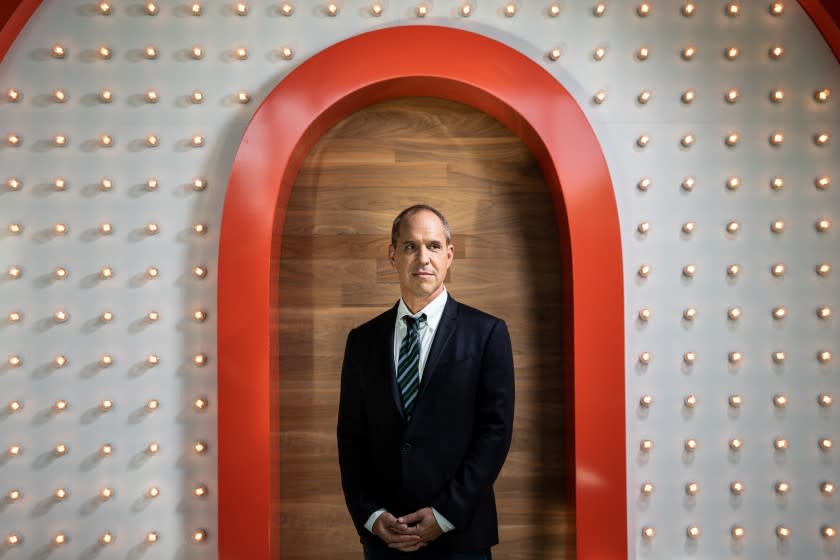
433	311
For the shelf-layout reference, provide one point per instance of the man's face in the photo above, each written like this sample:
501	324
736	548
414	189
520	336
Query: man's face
421	258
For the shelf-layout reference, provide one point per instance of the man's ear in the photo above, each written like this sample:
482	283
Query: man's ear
391	254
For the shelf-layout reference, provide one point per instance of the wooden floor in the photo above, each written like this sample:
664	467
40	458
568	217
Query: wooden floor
335	275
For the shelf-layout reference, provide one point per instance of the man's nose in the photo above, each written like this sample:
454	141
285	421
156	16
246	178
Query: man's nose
423	254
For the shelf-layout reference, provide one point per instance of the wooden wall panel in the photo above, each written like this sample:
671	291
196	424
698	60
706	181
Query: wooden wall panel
335	275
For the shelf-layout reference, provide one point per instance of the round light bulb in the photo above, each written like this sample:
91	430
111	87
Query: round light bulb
733	183
196	8
243	97
827	488
241	53
14	140
200	403
646	401
689	314
59	96
60	273
645	445
692	488
554	54
689	270
58	51
599	53
200	491
61	316
60	405
376	9
735	401
689	52
151	9
510	9
643	53
827	532
197	141
733	270
824	312
644	96
734	357
733	227
776	52
780	444
733	9
332	9
693	532
688	9
152	537
105	52
736	488
152	272
241	9
60	538
106	538
106	141
197	97
200	229
732	95
825	444
150	52
14	95
600	97
645	358
783	533
153	492
688	183
687	140
199	535
735	444
152	229
731	53
689	358
688	96
200	447
690	401
737	532
152	360
200	271
599	9
465	10
822	138
14	406
643	10
287	53
106	405
197	52
152	141
822	95
14	449
13	184
777	8
646	489
732	139
554	10
823	269
690	445
152	448
777	95
643	140
733	313
287	9
643	227
106	449
777	138
822	182
688	227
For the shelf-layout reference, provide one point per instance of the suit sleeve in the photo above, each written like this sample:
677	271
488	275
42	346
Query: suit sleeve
353	438
492	433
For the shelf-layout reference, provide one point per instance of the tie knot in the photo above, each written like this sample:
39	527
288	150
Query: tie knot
415	323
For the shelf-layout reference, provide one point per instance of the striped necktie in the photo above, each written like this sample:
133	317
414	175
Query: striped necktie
408	365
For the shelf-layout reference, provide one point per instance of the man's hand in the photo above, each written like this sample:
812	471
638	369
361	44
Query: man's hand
397	534
421	523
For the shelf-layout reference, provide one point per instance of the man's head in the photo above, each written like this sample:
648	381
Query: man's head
421	252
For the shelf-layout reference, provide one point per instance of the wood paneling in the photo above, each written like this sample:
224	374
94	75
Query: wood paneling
335	275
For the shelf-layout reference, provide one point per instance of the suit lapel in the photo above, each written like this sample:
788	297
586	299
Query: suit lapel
387	334
446	328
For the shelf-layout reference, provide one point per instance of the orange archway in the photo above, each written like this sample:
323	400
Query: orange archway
492	77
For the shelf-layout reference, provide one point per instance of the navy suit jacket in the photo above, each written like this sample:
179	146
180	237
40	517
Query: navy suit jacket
449	453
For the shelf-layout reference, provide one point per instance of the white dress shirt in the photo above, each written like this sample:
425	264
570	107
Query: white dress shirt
433	312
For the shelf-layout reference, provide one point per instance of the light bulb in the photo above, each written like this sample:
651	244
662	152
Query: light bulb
59	184
106	229
645	401
200	229
106	140
733	9
735	444
827	488
731	53
687	140
599	53
823	269
734	313
152	360
736	488
689	314
243	97
822	95
152	537
688	9
14	406
644	314
779	357
777	270
643	10
643	184
196	8
689	52
822	182
737	532
241	53
554	54
14	140
106	96
599	9
777	95
61	273
58	51
197	97
14	95
691	489
200	403
643	140
197	141
688	96
644	96
13	184
688	227
200	447
15	316
200	491
199	535
554	10
287	53
152	272
61	316
646	489
152	404
823	225
106	360
776	52
14	495
689	270
827	532
150	52
14	272
643	53
735	401
60	140
510	9
732	139
777	226
690	445
824	312
200	359
153	492
332	9
825	444
60	405
376	9
106	449
59	96
781	488
734	357
643	227
600	97
693	532
732	95
200	271
287	9
822	138
777	8
780	443
783	533
645	445
151	9
465	10
106	538
105	52
60	539
689	358
241	9
14	449
645	358
733	183
105	8
153	448
106	404
197	52
733	227
777	138
152	141
688	183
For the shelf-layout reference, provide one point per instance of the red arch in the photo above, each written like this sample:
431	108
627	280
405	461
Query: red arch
464	67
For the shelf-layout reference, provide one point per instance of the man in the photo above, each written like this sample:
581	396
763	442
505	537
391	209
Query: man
426	411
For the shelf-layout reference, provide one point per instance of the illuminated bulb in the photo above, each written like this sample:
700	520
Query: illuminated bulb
106	538
15	316
734	313
733	227
689	52
644	314
825	444
822	138
197	52
60	273
15	406
823	225
14	272
199	535
200	359
732	95
13	184
105	52
644	97
106	405
688	9
106	229
735	401
688	96
554	10
777	52
106	360
243	97
554	54
645	401
643	184
105	8
732	9
733	182
152	316
150	52
200	271
599	9
733	270
510	9
332	9
61	316
60	140
690	444
600	97
152	360
287	53
732	139
689	357
152	229
152	140
376	9
287	9
599	53
15	449
692	488
241	9
737	532
645	358
152	272
14	140
200	229
734	357
59	184
643	140
731	53
822	95
241	53
106	141
777	8
778	226
823	269
200	447
687	140
735	444
152	404
689	270
197	141
465	10
107	317
643	10
200	403
782	532
827	489
14	95
60	229
60	449
643	227
58	51
153	492
823	182
196	8
200	315
736	488
59	96
152	448
106	449
690	314
643	53
152	537
151	8
777	95
828	532
780	444
777	270
646	489
14	495
693	532
645	445
60	405
777	183
106	96
197	97
824	312
59	539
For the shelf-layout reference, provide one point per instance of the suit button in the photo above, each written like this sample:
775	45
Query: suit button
406	447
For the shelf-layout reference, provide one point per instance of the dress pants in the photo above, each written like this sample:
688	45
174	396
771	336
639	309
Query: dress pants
384	553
